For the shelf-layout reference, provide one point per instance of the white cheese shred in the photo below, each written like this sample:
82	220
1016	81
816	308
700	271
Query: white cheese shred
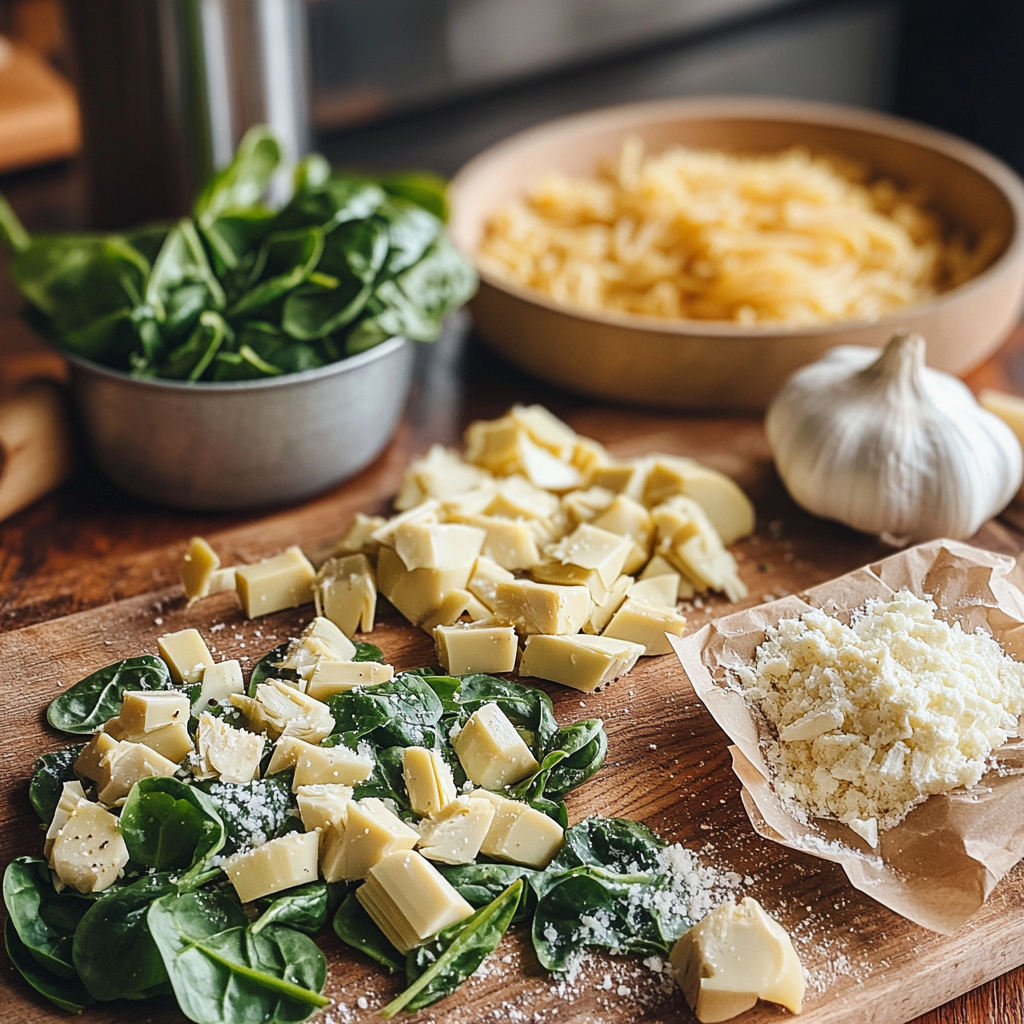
872	718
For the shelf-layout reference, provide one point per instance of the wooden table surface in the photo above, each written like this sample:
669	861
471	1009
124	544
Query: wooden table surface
88	544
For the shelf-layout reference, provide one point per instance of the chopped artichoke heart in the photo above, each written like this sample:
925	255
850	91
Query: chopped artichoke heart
320	639
542	607
519	833
331	677
646	624
410	900
437	545
346	593
428	780
146	710
219	682
71	796
661	590
455	834
289	712
285	581
322	805
359	536
463	649
582	662
121	768
369	832
484	580
200	563
278	864
492	753
186	655
590	547
416	593
170	741
509	542
232	755
733	957
602	612
88	850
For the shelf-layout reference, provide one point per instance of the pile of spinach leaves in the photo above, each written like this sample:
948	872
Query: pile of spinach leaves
239	290
174	926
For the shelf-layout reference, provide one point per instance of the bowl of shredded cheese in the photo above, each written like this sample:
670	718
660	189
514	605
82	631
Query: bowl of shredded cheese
693	253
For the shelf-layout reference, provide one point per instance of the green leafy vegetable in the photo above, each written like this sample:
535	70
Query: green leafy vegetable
94	700
353	925
49	774
479	884
170	826
367	652
252	812
439	967
303	908
114	932
592	907
221	971
44	919
241	290
67	993
403	712
618	844
266	668
583	745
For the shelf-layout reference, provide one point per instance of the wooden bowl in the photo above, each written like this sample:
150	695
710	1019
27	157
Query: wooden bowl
715	365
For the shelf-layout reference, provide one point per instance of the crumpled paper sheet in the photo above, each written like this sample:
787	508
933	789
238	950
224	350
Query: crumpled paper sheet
940	863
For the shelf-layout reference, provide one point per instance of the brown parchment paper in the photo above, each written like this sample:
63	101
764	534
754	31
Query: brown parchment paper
940	863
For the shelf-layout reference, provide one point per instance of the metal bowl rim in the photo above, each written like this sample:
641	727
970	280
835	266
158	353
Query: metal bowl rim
342	366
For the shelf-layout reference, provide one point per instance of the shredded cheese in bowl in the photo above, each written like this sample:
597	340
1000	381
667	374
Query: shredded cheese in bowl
872	718
790	237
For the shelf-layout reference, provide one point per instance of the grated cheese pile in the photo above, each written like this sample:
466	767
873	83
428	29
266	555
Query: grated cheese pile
874	717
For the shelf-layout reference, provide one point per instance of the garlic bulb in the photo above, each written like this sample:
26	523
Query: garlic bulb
885	445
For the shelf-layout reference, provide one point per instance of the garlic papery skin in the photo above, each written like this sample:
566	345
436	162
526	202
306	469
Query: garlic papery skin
885	445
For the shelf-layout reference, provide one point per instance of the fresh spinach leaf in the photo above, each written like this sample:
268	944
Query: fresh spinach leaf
252	812
589	907
439	967
526	707
190	360
182	261
67	993
49	774
267	668
354	926
303	908
426	190
367	652
114	953
479	884
170	826
44	919
584	745
403	712
387	781
617	844
94	700
222	973
285	260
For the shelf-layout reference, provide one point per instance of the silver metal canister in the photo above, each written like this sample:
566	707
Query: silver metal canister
168	87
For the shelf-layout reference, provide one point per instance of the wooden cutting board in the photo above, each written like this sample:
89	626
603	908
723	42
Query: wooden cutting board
667	765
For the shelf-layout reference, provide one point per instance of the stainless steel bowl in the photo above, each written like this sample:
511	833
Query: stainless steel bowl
245	443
